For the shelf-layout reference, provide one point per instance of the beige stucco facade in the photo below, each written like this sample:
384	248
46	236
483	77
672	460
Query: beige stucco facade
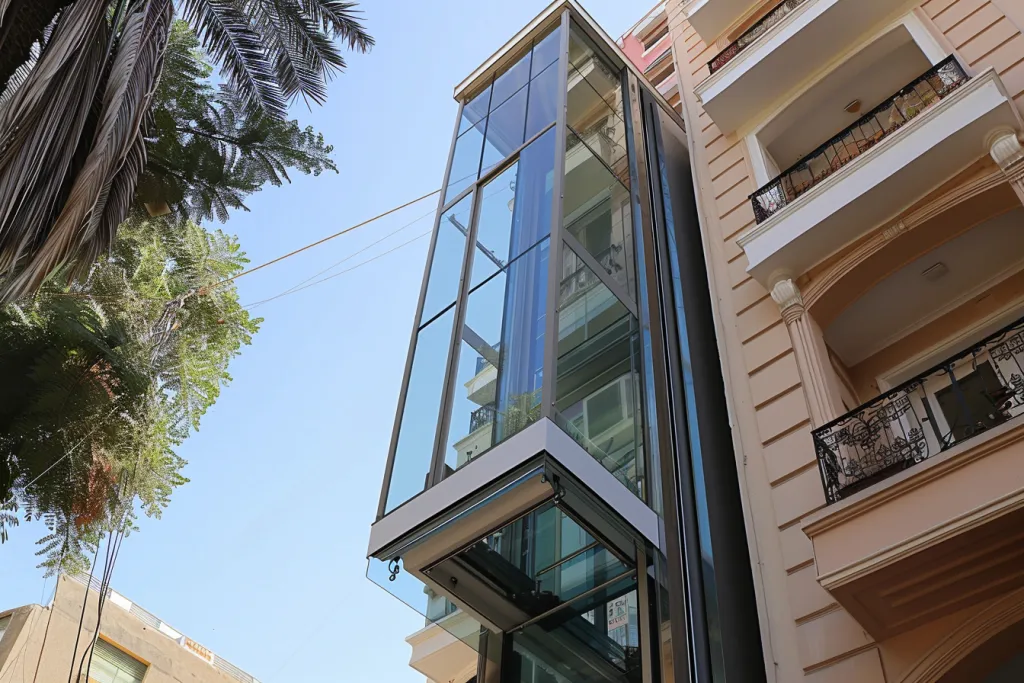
38	642
903	579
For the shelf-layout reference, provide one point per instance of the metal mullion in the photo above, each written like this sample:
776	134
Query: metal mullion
413	336
643	617
567	558
680	602
451	368
584	255
512	158
576	599
555	247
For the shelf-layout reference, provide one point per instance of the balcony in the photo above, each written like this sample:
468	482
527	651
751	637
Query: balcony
924	416
918	138
710	18
783	51
925	491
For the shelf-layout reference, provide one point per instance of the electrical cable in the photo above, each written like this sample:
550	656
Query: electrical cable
321	241
297	289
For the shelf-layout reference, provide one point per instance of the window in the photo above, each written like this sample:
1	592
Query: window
4	623
112	665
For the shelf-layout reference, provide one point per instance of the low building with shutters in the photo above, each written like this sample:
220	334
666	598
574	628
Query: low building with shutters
133	646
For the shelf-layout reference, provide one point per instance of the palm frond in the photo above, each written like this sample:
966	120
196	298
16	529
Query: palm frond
85	227
226	33
342	20
41	125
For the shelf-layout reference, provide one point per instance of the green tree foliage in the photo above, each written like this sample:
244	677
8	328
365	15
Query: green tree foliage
207	151
105	378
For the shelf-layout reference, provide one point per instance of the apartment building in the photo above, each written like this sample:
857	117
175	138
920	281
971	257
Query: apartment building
860	179
38	643
779	305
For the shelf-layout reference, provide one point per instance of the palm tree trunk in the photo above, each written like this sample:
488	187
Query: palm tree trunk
22	24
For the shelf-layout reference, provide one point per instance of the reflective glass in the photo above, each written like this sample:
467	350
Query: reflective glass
465	161
505	129
597	211
494	228
475	111
424	601
511	81
471	429
536	563
422	407
589	65
545	51
543	101
596	640
598	387
522	343
446	261
515	209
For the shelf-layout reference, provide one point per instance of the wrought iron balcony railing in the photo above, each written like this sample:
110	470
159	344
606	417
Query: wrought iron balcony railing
763	25
978	389
484	415
881	122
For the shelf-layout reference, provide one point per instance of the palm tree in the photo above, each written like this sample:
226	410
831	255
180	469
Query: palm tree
76	81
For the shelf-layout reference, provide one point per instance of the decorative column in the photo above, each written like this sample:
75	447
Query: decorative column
1004	146
811	356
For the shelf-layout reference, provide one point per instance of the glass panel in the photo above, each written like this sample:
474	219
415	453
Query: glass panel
423	600
505	130
522	343
596	641
537	563
422	406
446	261
475	111
543	101
471	430
515	210
545	51
511	81
598	387
586	60
596	211
494	229
465	161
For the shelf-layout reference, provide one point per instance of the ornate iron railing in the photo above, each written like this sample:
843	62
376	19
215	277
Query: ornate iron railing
763	25
583	279
974	391
484	415
881	122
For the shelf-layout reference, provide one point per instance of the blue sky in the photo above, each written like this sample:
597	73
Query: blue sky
261	557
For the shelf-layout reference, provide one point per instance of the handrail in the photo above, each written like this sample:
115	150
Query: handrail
888	432
752	34
847	145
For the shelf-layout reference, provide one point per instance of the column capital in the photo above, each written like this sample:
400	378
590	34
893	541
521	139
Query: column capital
791	302
1004	147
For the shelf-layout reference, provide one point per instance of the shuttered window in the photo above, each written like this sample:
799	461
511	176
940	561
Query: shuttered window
111	665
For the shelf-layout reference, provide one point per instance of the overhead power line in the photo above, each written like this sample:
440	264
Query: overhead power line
321	241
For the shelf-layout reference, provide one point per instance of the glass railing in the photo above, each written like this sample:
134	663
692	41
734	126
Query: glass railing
878	124
976	390
752	34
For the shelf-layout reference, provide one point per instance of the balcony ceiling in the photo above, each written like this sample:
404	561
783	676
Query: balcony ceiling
929	541
810	38
906	300
711	17
871	76
881	183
